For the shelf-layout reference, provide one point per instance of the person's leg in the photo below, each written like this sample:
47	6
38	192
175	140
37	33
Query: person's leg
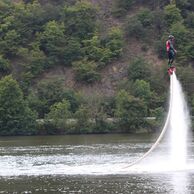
171	59
169	62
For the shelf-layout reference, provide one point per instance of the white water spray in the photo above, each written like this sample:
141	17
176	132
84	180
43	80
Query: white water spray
179	125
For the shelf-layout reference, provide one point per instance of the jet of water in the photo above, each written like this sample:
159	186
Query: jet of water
179	125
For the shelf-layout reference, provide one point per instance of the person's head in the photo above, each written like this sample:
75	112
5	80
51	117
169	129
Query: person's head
171	37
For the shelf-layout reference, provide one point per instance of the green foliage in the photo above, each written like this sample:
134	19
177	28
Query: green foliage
82	116
159	21
94	50
48	93
190	20
190	50
134	27
121	7
37	35
183	5
130	111
104	51
141	89
192	104
79	19
4	65
138	69
186	76
16	118
172	14
86	71
158	113
33	61
180	32
9	43
58	47
59	113
145	16
115	42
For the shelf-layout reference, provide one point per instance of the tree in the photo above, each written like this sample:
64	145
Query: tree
79	19
130	111
86	71
121	7
59	113
82	116
4	65
172	14
115	42
33	61
9	43
145	16
138	69
141	89
190	20
134	27
49	93
57	46
16	118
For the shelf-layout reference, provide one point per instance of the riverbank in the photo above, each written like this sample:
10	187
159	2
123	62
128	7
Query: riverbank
94	126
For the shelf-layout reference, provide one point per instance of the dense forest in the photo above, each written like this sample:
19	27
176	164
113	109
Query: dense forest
89	66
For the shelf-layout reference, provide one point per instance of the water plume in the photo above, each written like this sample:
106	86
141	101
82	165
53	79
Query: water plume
179	125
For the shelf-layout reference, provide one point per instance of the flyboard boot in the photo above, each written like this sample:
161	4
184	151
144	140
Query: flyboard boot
171	69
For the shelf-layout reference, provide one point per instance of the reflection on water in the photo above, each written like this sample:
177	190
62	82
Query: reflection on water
89	164
180	183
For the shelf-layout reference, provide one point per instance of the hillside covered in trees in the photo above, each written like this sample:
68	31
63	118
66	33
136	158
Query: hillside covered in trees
90	66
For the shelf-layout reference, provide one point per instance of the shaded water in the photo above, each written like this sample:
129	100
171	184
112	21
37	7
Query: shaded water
89	164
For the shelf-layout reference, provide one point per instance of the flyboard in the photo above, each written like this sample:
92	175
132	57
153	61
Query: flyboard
171	71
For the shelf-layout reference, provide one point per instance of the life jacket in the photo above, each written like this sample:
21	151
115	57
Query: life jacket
169	45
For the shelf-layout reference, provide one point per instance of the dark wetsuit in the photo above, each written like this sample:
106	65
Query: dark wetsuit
171	52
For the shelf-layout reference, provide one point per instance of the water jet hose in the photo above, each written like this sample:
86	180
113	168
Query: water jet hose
163	130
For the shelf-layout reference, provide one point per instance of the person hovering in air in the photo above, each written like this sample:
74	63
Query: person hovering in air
171	51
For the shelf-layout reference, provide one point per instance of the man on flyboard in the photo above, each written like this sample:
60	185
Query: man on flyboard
171	51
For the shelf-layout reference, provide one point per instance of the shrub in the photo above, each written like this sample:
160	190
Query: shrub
130	111
33	61
190	51
16	118
190	20
48	93
121	7
86	71
59	113
114	42
141	89
145	16
79	19
159	21
58	47
4	65
138	69
172	14
95	51
180	32
82	116
134	28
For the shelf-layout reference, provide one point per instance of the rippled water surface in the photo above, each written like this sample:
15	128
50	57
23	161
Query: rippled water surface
90	164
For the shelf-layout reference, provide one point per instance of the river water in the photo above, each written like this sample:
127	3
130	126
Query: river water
91	164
